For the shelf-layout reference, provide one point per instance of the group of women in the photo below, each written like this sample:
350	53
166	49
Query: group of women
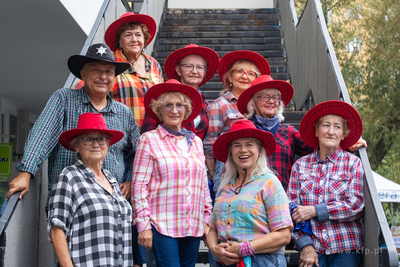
248	153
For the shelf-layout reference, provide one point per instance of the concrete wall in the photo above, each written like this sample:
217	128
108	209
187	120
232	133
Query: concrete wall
212	4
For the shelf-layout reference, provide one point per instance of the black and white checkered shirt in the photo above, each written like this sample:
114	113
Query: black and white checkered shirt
97	224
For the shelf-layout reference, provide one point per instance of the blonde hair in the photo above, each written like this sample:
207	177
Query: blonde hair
156	105
241	63
262	166
251	106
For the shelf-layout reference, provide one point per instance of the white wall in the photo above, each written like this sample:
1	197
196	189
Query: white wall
213	4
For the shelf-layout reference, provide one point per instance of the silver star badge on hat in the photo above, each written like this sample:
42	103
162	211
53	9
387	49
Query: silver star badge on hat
101	50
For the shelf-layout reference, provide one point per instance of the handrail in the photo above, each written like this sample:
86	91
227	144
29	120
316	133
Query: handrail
89	40
8	212
324	78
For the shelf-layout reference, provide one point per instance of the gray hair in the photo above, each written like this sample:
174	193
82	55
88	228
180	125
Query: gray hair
72	146
231	170
251	106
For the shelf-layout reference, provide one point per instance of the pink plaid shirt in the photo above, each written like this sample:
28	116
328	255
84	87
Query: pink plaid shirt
334	186
170	189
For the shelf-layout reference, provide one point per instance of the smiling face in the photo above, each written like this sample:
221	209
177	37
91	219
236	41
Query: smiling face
245	153
173	113
330	132
132	41
195	76
240	80
91	153
98	77
269	108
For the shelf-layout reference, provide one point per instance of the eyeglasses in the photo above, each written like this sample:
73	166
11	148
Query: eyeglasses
250	74
266	98
102	140
170	107
190	67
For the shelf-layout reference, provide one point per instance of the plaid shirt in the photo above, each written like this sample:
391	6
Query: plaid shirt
130	86
200	130
260	208
61	113
335	186
97	224
221	113
170	188
288	145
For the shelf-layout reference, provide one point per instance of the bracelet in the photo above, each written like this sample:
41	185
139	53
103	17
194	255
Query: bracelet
245	249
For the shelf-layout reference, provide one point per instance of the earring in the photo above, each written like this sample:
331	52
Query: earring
230	85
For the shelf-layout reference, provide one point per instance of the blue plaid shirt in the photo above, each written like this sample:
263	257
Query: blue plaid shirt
61	113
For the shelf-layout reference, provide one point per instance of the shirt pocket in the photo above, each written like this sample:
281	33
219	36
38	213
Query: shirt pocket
232	117
247	213
307	183
338	184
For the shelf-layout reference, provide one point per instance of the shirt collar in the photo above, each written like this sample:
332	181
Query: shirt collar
87	172
120	57
229	96
163	133
332	157
110	102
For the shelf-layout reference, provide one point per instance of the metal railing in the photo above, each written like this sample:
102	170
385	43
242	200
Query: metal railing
4	220
315	71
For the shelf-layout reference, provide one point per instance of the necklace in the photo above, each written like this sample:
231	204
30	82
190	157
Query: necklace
102	179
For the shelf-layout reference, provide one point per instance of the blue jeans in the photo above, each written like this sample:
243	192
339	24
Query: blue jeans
139	252
264	260
170	251
347	258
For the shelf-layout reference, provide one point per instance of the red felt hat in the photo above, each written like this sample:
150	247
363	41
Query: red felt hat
111	33
210	56
174	86
242	129
89	122
230	58
261	83
333	107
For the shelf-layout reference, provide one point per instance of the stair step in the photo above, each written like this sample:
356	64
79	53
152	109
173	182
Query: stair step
220	28
231	34
235	16
199	22
273	61
265	54
223	11
208	41
228	47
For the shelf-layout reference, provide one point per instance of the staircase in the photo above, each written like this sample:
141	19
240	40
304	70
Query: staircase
224	30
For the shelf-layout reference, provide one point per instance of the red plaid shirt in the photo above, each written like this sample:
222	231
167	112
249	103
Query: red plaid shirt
288	145
336	185
130	86
201	129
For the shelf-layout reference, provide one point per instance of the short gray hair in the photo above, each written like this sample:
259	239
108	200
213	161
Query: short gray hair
251	106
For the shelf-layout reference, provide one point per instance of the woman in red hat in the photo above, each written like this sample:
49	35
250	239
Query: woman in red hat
328	187
251	220
237	70
191	65
127	37
170	192
86	204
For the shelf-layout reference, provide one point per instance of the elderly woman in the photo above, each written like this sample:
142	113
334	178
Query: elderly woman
328	186
192	65
237	70
170	192
251	216
263	103
86	204
127	37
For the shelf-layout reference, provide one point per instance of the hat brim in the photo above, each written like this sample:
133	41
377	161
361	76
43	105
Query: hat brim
67	136
210	56
112	30
284	87
76	63
155	91
221	145
334	107
228	59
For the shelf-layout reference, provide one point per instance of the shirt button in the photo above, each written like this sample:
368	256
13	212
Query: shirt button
119	214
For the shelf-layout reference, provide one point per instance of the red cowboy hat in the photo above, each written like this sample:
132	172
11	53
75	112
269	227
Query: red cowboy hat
111	33
261	83
228	59
210	56
333	107
174	86
242	129
89	122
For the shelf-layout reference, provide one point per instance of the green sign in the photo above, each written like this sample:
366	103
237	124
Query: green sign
5	159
